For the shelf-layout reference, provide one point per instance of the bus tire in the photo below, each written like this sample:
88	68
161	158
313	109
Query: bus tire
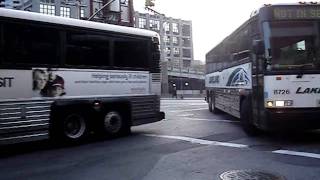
115	125
212	106
71	127
246	118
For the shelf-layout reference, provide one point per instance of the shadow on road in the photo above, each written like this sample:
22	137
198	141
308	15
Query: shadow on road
301	137
47	145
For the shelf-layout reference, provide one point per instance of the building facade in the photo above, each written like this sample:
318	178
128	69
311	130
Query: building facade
79	9
118	12
175	34
11	4
181	74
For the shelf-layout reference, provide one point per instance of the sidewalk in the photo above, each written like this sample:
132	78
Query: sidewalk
187	98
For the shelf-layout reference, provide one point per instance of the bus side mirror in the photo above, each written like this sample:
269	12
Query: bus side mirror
258	47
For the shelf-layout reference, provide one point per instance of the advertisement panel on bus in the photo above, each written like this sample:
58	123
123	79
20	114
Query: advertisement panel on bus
46	82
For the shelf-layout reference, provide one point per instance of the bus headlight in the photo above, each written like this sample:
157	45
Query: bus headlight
279	103
285	103
270	103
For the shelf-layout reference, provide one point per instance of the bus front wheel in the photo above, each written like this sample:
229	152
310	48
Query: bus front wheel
70	127
246	118
74	126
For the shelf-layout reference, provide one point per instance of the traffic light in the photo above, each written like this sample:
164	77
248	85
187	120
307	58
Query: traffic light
149	3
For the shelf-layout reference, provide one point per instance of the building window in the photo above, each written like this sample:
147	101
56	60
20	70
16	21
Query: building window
47	1
176	52
167	39
168	51
142	23
186	63
124	2
134	24
186	30
176	63
82	13
65	11
175	28
175	40
186	42
154	25
47	9
186	53
166	27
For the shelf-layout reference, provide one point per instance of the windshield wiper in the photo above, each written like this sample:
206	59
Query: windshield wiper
302	67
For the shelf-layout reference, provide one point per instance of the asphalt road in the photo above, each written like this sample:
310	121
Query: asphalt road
191	143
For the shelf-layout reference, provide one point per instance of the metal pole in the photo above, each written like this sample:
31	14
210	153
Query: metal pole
79	8
93	15
181	84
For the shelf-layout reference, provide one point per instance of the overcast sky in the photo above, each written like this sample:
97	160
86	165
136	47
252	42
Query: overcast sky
212	20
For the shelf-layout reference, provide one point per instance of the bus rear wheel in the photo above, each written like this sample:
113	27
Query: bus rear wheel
246	118
212	106
114	124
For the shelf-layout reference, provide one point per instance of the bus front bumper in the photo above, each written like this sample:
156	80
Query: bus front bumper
158	117
297	118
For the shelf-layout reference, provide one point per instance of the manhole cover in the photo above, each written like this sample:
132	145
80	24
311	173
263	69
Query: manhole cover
249	175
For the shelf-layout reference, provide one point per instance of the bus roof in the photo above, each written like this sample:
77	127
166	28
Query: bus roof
18	14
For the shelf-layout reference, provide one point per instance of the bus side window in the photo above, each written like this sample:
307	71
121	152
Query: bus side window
1	43
30	44
87	49
131	52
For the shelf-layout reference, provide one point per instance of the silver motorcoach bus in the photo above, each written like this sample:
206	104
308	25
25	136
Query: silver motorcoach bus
65	78
267	72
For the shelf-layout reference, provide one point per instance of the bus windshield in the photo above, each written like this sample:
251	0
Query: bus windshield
294	45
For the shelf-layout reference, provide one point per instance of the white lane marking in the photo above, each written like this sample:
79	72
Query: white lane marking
199	141
187	110
225	144
297	153
212	120
184	115
174	99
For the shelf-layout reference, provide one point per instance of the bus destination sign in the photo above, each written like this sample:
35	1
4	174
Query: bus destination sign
287	13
